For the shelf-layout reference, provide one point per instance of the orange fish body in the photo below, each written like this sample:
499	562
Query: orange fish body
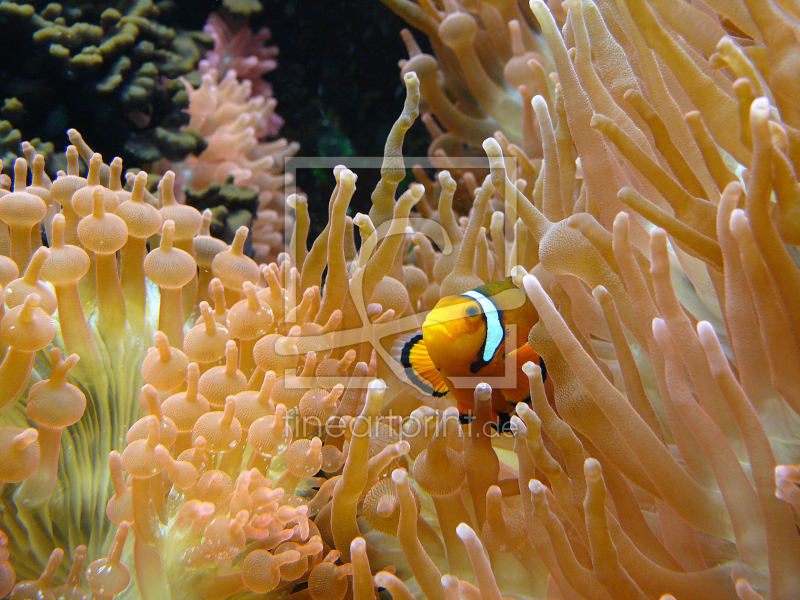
478	336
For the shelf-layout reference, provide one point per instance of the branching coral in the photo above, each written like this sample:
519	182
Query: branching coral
235	121
238	48
114	67
253	449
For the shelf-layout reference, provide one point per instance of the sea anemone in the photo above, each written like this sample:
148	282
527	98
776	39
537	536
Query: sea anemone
261	438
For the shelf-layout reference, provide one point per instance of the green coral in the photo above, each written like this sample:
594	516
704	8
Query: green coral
10	142
121	60
243	8
231	207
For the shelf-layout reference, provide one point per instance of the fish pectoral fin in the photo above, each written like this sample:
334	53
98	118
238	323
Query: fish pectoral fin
519	357
419	368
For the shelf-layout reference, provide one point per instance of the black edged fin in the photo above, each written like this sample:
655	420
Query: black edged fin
419	368
465	419
504	422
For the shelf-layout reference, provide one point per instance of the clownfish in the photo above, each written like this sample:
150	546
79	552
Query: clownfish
478	336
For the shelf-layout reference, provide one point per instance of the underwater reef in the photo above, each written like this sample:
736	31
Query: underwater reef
179	420
109	66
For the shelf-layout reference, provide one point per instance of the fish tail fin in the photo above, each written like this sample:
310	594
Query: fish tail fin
419	369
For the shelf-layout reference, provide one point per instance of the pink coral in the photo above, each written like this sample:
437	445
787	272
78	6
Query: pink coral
237	47
234	111
235	124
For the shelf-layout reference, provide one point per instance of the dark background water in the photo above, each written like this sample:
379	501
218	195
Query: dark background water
337	84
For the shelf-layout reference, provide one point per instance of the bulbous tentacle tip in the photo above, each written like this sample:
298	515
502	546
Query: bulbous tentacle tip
466	533
483	392
377	386
535	291
411	79
358	545
760	109
518	426
536	487
492	148
400	476
592	469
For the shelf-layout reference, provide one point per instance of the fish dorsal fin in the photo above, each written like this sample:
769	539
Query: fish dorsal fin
504	295
419	368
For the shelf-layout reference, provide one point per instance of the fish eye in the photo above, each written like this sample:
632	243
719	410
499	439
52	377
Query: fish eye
472	311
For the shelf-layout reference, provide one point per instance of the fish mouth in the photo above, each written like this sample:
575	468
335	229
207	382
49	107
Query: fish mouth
436	329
